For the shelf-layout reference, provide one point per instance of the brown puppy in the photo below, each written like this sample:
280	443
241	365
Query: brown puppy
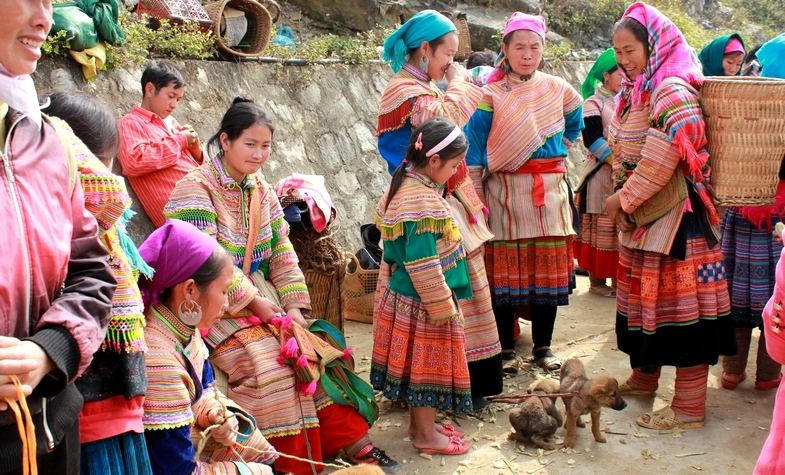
591	395
537	418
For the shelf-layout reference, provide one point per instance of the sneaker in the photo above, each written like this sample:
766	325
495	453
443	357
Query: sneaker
372	455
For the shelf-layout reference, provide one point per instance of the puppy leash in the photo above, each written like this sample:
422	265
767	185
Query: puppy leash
518	398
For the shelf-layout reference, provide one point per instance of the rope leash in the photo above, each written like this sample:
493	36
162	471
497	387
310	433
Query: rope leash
25	427
517	398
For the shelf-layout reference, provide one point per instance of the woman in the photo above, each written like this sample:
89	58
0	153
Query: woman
421	54
672	302
227	198
190	426
56	286
749	252
597	245
520	135
418	342
113	386
723	56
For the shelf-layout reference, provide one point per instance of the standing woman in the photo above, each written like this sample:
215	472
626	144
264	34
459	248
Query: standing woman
113	386
228	198
597	245
520	135
421	54
56	284
672	302
749	252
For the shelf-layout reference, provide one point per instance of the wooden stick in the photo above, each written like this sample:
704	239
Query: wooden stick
516	398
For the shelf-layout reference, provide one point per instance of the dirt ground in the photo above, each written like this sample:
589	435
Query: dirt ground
737	422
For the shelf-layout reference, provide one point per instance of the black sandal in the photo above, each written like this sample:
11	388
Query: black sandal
545	359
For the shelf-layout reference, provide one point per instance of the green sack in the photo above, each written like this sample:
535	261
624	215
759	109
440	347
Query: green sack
105	15
76	23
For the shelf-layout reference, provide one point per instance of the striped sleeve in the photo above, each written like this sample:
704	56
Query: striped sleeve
659	159
285	271
140	153
425	270
167	403
191	202
458	104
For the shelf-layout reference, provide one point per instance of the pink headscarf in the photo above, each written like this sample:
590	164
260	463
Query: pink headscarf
518	21
734	46
669	56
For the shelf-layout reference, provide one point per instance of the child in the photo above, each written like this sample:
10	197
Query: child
155	150
418	352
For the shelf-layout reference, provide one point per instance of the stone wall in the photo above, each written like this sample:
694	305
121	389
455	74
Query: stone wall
325	119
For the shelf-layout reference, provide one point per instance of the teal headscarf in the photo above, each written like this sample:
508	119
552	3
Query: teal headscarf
711	55
604	64
427	25
770	56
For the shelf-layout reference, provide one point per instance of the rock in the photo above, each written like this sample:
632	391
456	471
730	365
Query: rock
555	38
360	15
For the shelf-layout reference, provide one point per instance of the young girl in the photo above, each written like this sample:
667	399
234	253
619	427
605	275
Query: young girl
672	302
520	135
224	198
113	386
597	245
749	252
418	339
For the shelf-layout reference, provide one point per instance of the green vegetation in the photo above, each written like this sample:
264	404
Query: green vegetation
582	20
769	14
359	48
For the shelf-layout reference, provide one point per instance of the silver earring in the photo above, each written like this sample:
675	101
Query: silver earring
424	64
190	312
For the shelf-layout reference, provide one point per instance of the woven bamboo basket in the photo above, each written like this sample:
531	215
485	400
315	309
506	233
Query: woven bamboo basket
260	26
745	128
325	292
273	7
359	288
464	36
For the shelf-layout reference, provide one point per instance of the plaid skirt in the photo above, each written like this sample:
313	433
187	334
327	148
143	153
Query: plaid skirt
750	256
536	271
416	361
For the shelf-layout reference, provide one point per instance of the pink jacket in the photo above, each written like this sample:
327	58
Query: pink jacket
56	285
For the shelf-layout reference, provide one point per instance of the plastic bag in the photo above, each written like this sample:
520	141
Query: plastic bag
69	17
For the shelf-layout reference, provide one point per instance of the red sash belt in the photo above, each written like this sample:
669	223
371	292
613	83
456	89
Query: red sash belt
537	167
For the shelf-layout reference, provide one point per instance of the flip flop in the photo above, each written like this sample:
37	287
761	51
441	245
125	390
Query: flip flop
665	419
731	381
766	384
547	360
603	291
451	430
455	446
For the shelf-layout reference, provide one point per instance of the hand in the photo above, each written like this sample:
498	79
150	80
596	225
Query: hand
264	308
297	317
226	433
625	223
191	137
25	359
612	206
454	71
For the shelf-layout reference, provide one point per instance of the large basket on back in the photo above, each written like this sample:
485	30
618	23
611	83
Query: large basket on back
464	36
745	128
359	289
260	26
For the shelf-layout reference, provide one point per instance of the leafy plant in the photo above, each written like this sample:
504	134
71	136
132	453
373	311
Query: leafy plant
57	44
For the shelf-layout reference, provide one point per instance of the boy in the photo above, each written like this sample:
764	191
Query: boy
155	151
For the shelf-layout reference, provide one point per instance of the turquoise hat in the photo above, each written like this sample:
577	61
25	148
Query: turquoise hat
427	25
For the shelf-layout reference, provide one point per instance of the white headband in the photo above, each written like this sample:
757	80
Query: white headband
445	142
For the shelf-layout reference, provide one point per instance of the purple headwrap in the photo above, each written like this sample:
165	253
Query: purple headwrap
518	21
175	251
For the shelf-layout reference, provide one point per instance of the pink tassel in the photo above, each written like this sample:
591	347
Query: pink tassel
486	211
348	352
309	388
204	332
283	321
290	349
280	360
254	320
302	361
473	219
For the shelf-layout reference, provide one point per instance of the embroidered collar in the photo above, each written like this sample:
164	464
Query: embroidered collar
180	330
226	181
418	75
424	180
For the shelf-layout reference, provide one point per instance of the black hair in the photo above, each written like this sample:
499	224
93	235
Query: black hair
612	70
206	273
480	58
90	118
162	74
636	28
242	114
433	132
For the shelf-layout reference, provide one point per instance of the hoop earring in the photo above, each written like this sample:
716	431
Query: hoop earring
190	312
424	64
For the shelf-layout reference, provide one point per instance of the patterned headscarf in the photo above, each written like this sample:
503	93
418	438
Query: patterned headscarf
427	25
771	55
669	56
517	21
596	76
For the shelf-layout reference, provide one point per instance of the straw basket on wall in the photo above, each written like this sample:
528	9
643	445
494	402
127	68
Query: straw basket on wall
260	26
745	128
464	37
359	288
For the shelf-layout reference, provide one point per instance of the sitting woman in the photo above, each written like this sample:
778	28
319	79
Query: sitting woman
228	198
182	408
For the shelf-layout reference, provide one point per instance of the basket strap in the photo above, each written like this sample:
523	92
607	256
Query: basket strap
253	228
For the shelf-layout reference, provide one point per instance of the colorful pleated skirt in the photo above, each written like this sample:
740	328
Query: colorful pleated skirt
750	258
673	312
536	271
596	247
124	454
416	361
